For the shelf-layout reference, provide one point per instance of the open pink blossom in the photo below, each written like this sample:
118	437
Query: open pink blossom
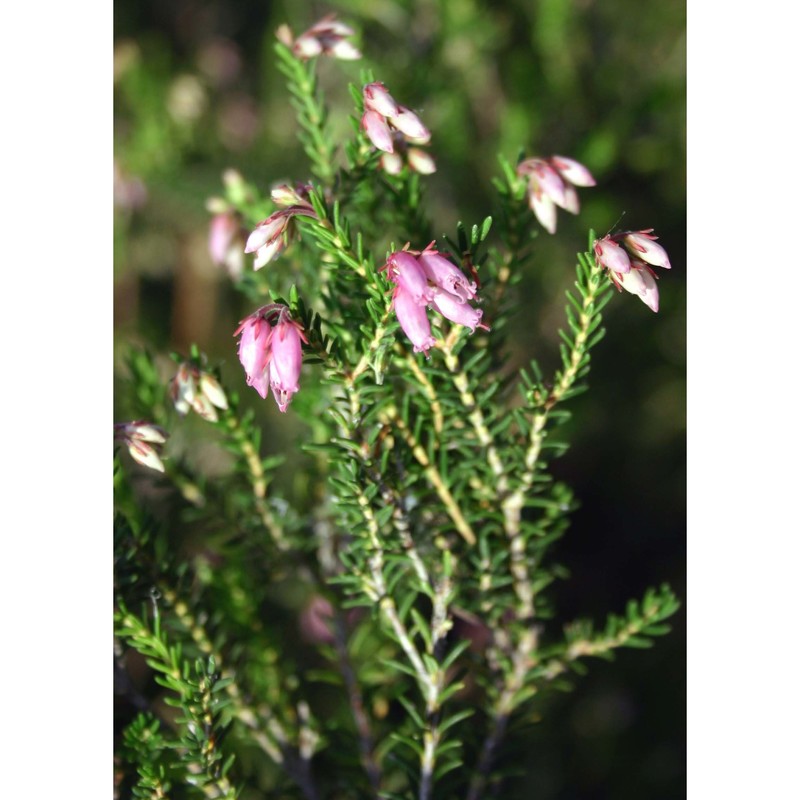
413	319
287	360
271	353
456	310
254	350
446	275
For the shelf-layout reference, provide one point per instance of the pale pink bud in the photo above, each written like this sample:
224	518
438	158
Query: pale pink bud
570	201
267	231
146	432
407	122
641	244
447	275
203	406
610	255
542	206
391	163
413	319
377	98
331	26
377	131
344	51
225	242
284	195
221	231
550	182
182	389
573	171
142	440
211	389
640	281
456	310
407	273
306	46
146	455
254	351
420	161
287	360
269	252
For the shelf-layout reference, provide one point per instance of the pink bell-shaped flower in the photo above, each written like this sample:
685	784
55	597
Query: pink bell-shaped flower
454	309
413	319
446	275
287	360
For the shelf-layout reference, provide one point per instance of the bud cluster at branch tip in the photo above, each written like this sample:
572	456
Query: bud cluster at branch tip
328	37
194	388
271	236
396	131
551	183
429	279
629	258
270	351
144	442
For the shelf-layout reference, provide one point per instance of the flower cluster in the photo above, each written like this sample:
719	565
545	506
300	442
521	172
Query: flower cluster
628	257
395	130
327	37
425	279
271	352
551	183
271	236
143	440
193	387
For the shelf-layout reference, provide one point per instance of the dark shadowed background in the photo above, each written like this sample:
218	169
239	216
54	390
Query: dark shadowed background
197	91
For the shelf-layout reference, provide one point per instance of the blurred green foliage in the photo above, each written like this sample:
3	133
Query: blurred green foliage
197	91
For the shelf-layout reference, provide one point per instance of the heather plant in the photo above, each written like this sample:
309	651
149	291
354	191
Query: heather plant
415	511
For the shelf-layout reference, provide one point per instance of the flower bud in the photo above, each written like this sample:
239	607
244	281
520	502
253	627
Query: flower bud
640	281
143	439
610	255
641	245
420	161
377	98
407	273
391	163
543	207
377	131
572	171
408	123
